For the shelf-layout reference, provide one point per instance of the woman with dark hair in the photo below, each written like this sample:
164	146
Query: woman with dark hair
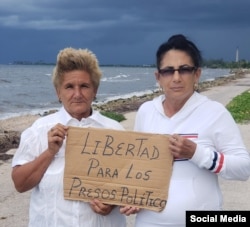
203	137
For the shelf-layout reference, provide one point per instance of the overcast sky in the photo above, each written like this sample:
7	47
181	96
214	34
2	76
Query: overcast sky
121	31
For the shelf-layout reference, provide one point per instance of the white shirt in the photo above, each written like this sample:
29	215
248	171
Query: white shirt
48	208
220	151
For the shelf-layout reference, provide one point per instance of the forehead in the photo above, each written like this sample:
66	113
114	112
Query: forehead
76	76
176	58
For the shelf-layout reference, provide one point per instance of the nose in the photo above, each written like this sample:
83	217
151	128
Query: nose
176	76
77	92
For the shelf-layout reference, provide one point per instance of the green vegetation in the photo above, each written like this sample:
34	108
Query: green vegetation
219	63
208	63
113	115
239	107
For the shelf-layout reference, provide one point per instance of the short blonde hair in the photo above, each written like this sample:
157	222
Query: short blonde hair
70	59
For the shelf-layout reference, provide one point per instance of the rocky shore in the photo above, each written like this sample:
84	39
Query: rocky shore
132	104
11	129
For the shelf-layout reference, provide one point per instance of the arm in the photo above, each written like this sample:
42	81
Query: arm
228	157
28	175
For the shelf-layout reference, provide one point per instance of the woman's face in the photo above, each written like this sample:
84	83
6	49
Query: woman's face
179	85
76	93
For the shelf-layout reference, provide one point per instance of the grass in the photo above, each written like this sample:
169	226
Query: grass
113	115
239	107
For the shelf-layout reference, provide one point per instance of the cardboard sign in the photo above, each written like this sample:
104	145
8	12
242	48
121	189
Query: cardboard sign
117	167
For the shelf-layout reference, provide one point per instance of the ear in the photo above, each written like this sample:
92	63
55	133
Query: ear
157	76
58	93
197	75
95	93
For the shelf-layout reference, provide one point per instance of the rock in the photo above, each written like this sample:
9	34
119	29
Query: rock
9	140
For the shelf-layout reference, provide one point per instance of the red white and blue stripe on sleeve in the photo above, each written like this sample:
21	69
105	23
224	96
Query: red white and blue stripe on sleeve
217	162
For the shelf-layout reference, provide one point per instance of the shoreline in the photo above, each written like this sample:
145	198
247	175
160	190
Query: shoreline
127	104
14	206
11	128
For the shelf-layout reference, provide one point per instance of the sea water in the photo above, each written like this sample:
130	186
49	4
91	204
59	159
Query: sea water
28	89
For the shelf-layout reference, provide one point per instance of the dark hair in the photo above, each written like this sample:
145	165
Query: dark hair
179	42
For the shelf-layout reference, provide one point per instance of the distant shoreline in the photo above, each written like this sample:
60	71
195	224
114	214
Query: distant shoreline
124	105
11	128
134	82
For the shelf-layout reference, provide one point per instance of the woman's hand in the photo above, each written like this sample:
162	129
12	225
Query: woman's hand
127	210
101	208
181	147
56	135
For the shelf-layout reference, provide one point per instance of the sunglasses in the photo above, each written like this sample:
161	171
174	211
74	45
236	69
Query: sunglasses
183	70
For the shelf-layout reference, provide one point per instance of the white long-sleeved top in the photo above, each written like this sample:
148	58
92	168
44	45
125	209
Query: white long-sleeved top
220	152
48	208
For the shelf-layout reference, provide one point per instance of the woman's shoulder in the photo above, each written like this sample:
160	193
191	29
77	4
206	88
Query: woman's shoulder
46	120
148	105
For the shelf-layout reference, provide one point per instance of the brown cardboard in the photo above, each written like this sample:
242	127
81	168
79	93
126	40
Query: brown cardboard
117	167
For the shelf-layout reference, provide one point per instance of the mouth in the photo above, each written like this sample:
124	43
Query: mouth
176	88
77	102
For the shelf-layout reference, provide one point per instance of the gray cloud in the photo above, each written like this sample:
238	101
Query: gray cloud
121	32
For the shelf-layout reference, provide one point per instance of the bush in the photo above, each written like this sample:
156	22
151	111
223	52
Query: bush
113	115
239	107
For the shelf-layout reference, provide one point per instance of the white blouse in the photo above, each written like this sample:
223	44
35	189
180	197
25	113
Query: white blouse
48	208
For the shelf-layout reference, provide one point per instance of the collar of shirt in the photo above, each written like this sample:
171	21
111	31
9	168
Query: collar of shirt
91	121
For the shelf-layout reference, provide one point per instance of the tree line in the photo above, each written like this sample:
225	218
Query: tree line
220	63
211	63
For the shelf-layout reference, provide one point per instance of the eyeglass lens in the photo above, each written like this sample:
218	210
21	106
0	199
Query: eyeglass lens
187	70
